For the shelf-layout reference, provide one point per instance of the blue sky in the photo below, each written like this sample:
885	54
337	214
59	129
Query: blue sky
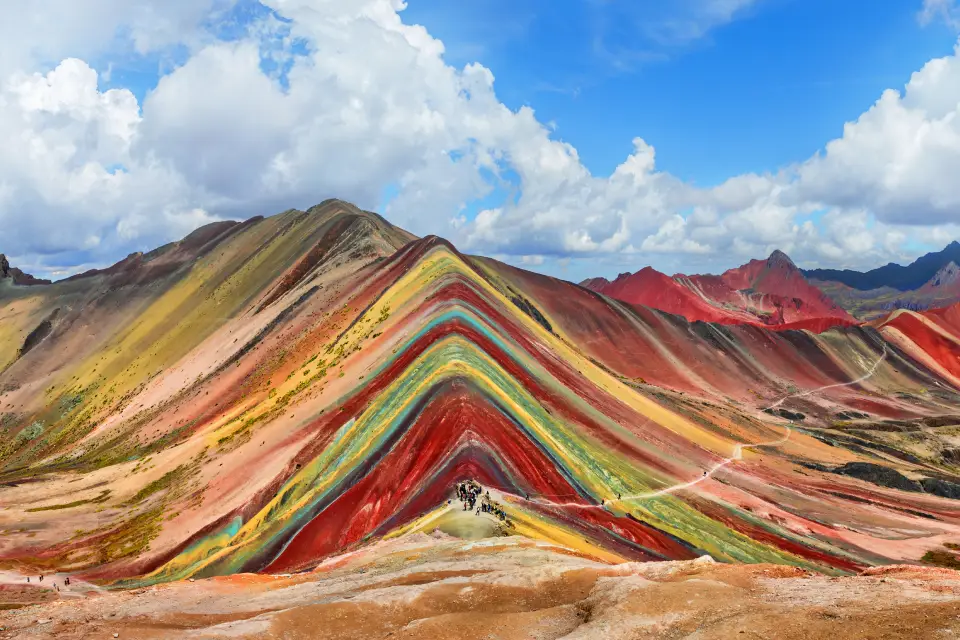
766	90
762	92
690	135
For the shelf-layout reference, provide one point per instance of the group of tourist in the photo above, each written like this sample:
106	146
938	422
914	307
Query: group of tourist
470	492
491	507
66	581
467	493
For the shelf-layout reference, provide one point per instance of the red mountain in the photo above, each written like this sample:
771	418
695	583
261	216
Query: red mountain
771	292
650	288
786	289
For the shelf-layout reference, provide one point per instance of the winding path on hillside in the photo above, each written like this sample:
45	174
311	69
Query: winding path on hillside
737	452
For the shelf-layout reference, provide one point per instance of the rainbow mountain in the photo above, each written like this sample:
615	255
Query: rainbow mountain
264	395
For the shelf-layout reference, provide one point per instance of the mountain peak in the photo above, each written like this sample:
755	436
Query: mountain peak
779	258
949	267
903	278
18	276
948	274
595	284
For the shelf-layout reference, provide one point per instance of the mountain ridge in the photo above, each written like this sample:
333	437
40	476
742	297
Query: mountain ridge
320	382
770	292
902	278
17	276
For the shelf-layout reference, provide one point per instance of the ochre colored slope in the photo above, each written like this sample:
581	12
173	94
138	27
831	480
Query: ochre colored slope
436	586
309	383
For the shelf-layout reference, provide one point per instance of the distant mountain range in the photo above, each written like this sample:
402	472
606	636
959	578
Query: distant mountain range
771	292
894	276
776	294
929	283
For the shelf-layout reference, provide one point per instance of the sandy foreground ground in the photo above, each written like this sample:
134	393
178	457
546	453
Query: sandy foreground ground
438	587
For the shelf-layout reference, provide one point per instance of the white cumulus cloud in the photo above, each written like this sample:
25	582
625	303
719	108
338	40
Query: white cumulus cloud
367	105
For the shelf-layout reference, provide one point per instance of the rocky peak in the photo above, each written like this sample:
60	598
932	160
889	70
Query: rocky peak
947	275
18	276
780	259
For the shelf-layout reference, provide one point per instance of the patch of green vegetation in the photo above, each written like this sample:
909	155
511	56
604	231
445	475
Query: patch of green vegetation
99	546
30	433
103	497
131	538
941	559
160	484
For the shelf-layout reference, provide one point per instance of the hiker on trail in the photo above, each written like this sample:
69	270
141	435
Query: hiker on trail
67	581
41	578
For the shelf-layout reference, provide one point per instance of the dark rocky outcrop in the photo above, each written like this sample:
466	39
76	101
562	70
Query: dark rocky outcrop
528	308
950	456
892	479
786	414
40	333
852	415
879	475
942	488
19	277
940	421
